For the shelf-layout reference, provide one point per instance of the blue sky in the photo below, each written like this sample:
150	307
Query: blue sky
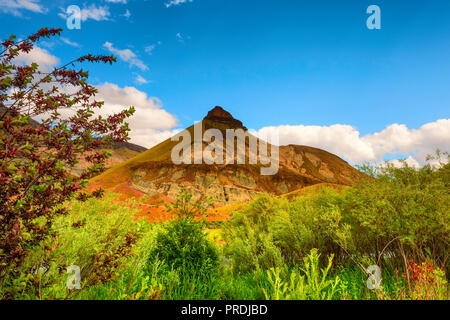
312	67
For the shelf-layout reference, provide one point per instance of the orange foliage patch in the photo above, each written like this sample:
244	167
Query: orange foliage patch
154	210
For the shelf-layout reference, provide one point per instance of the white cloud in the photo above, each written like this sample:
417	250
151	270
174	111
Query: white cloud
410	161
346	141
93	12
150	124
176	2
126	55
397	138
42	57
15	7
117	1
141	80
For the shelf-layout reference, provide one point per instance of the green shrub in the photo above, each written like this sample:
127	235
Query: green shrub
99	236
182	244
306	283
387	219
272	232
399	214
250	242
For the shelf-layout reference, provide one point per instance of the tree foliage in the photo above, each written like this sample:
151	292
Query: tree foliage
183	244
35	156
389	218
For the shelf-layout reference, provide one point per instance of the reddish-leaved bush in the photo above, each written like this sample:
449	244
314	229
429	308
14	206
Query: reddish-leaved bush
35	155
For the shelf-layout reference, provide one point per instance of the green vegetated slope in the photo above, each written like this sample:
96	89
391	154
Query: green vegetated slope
313	246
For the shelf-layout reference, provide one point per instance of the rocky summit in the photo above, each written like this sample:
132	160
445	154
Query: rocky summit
220	115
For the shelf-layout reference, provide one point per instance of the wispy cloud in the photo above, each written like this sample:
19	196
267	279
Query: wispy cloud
100	13
149	49
182	38
15	7
176	2
117	1
126	55
140	80
127	14
70	43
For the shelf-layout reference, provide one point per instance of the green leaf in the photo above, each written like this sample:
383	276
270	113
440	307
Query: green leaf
6	82
12	167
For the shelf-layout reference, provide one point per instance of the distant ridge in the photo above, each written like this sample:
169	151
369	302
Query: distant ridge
120	151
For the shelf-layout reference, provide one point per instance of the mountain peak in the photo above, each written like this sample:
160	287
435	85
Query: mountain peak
219	114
